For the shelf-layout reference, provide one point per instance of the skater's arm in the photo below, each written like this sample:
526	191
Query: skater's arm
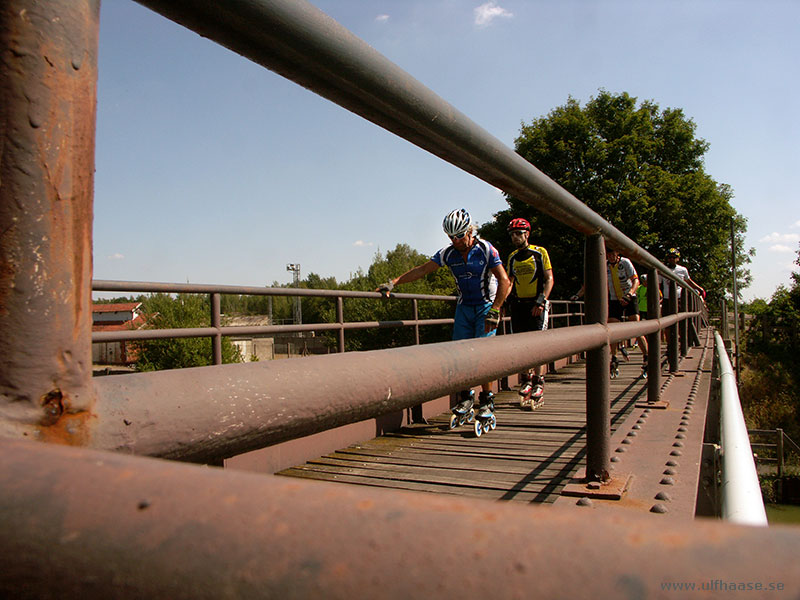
548	287
503	286
694	285
414	274
503	289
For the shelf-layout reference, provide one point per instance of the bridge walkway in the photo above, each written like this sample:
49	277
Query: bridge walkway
532	455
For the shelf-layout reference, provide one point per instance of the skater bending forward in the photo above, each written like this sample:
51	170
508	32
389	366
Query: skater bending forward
531	283
482	288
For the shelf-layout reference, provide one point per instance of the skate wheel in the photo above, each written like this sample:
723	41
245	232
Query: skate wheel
493	423
478	428
453	421
462	419
471	415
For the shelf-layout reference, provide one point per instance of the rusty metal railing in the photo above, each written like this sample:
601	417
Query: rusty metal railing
216	331
77	522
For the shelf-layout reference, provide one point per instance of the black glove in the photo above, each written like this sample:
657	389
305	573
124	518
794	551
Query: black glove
386	288
493	318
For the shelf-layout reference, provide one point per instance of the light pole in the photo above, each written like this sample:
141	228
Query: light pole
298	312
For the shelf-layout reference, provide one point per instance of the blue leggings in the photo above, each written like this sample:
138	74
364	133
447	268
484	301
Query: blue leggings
469	321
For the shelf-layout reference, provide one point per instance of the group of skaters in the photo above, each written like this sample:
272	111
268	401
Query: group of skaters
524	285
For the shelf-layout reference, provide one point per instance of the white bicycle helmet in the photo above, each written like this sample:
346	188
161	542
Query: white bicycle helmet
457	222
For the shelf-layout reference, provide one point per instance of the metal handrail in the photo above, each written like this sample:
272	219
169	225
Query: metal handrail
219	331
741	492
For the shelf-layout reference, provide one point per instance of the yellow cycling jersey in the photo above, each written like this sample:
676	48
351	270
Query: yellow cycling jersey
526	267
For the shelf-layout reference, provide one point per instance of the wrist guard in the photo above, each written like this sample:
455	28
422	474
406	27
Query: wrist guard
493	317
540	300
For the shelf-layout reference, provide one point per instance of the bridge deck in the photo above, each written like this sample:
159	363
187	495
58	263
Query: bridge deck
531	455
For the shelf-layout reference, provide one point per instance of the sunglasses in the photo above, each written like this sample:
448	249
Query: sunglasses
458	236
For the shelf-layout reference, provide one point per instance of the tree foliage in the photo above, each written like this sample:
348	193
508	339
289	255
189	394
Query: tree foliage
769	386
398	261
184	310
640	168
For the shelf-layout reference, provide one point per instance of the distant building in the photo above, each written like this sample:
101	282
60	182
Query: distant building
252	347
121	316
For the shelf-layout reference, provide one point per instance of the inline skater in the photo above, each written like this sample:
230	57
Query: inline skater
532	282
482	288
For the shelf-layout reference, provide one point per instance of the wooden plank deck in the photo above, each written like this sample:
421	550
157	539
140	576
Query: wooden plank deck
528	458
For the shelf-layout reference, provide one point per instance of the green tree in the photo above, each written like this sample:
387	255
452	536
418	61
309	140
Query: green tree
640	168
770	379
397	261
184	310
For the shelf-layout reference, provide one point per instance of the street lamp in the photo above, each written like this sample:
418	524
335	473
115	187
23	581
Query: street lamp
298	312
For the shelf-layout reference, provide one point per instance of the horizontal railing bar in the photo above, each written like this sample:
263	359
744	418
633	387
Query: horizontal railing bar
107	525
99	285
741	492
196	332
300	42
206	413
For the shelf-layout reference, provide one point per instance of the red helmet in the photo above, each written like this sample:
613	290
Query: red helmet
519	223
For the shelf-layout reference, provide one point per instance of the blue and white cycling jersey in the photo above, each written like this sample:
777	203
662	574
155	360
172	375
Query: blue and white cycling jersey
476	283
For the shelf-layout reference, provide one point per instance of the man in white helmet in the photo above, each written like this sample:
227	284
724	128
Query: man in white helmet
483	286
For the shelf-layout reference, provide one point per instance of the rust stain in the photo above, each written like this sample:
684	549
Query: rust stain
59	424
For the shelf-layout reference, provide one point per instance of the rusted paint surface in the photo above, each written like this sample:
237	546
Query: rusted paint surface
85	524
47	102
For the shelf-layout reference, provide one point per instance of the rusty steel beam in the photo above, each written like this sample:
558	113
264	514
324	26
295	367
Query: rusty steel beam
78	523
48	75
207	413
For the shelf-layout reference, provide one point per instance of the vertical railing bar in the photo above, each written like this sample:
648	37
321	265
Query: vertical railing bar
216	322
683	325
598	410
672	330
340	319
653	339
416	321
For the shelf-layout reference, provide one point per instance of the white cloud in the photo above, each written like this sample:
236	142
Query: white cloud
796	225
781	248
382	18
488	12
362	243
116	256
781	238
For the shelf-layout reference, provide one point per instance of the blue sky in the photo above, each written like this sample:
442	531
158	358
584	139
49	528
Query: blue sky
212	169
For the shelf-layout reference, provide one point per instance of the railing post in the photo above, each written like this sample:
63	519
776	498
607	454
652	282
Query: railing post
779	451
672	336
416	321
216	340
598	410
683	325
48	83
653	339
726	334
340	318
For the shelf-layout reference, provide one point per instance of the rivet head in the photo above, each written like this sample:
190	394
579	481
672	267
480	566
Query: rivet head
584	502
667	481
671	463
675	453
669	471
658	508
663	496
